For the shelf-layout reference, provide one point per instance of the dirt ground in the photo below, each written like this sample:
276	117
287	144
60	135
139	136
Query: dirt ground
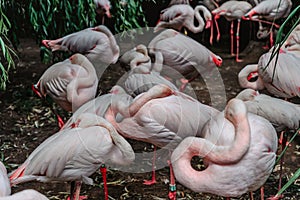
26	121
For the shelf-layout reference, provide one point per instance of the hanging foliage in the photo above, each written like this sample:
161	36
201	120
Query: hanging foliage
6	57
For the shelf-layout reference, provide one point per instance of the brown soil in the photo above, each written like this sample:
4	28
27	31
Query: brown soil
26	121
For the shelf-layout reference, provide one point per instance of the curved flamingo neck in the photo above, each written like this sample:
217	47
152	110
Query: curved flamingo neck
201	23
245	81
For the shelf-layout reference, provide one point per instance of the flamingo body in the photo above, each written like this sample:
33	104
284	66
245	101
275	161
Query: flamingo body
4	182
28	194
70	83
232	168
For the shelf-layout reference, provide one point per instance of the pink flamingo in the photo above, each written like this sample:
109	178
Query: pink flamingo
232	10
270	10
98	44
239	151
175	52
4	182
278	76
178	16
78	153
163	117
103	7
70	83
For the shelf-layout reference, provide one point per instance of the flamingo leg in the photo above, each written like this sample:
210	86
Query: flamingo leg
231	38
262	193
153	180
217	27
251	195
172	190
271	37
211	38
238	41
103	173
75	191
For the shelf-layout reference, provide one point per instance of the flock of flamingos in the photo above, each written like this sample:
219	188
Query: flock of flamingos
238	145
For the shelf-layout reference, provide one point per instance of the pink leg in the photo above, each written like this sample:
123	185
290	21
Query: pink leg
211	38
153	180
103	172
238	41
231	38
217	27
76	194
60	121
251	195
262	193
271	38
184	83
172	190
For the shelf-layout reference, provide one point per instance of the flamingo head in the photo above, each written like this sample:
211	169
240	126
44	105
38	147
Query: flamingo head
36	90
208	23
217	60
252	76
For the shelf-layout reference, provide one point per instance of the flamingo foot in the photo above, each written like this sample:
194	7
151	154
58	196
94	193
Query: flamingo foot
172	195
80	197
238	60
150	182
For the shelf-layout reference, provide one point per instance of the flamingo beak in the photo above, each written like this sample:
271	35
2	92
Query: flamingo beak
107	9
217	60
35	89
252	75
45	43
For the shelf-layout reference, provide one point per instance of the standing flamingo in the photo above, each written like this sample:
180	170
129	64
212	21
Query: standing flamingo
175	52
232	10
182	15
239	151
270	10
75	154
278	76
163	119
97	44
70	83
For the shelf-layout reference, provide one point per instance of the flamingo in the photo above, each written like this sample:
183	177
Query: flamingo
70	83
175	52
163	118
75	154
97	44
232	10
270	10
178	16
282	114
142	76
103	7
279	77
4	182
239	151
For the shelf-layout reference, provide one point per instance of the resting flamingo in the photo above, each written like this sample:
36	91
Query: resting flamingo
75	154
239	152
163	117
182	15
232	10
4	181
279	77
282	114
175	52
98	44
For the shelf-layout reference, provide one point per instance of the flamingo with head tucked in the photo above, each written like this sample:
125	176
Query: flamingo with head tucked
162	117
98	44
239	151
75	154
175	52
70	83
278	75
